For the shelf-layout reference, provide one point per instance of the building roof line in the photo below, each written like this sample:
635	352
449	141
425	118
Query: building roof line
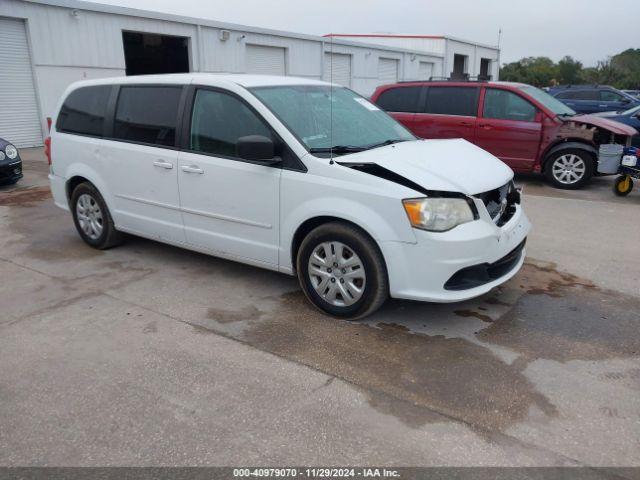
383	35
135	12
391	35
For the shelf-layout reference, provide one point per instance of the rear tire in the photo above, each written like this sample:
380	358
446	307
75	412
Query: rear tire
92	218
341	271
623	186
570	169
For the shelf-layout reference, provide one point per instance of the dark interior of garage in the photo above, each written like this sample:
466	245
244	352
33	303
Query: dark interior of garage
148	53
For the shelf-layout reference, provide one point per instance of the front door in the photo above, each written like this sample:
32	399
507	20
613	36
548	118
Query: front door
611	101
141	165
230	206
510	128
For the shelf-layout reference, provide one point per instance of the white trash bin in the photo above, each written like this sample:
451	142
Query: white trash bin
609	158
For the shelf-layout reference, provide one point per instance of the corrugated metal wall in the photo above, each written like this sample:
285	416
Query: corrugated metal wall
71	44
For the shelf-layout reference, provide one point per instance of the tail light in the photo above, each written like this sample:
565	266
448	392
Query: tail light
47	142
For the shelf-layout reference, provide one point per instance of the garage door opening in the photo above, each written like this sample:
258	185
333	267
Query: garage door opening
459	67
148	53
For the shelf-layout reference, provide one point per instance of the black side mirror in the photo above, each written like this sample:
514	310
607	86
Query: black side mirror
256	148
624	101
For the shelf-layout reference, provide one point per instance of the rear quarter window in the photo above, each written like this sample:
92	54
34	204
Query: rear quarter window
461	101
400	99
147	114
84	111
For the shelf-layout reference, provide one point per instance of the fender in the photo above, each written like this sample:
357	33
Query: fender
86	171
368	219
567	145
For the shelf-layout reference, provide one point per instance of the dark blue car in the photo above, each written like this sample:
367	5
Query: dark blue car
594	98
629	117
10	163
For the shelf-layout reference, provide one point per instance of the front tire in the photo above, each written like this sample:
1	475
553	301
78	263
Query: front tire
341	271
92	218
570	169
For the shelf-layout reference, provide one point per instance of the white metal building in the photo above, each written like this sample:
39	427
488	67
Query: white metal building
47	44
448	57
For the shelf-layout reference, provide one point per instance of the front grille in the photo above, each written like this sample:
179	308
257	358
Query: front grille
477	275
501	202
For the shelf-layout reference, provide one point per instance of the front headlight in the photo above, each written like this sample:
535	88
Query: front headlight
11	151
438	214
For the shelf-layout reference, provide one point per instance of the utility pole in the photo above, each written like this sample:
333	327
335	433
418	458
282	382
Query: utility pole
499	40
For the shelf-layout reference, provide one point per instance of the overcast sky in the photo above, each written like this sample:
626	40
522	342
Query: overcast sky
589	30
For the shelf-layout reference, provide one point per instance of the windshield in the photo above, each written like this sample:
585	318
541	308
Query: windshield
556	106
324	117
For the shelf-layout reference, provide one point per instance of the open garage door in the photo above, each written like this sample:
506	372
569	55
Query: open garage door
265	60
387	70
149	53
337	69
20	119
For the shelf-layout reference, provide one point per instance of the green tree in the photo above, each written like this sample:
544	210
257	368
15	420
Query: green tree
538	71
621	71
569	71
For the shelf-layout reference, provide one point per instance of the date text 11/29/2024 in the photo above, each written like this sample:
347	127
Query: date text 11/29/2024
316	472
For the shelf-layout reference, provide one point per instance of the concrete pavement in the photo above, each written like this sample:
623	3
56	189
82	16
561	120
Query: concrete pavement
151	355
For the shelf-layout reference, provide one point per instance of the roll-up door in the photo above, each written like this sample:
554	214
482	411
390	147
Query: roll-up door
20	119
337	68
265	60
387	70
425	70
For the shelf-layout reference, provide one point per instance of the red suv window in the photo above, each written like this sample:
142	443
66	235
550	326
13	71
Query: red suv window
452	101
400	99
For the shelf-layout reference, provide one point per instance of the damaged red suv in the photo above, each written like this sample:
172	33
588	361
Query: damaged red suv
525	127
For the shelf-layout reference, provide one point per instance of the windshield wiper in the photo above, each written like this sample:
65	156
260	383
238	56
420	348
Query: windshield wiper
337	149
340	149
383	144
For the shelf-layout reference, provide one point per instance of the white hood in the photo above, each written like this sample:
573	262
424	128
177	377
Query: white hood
441	165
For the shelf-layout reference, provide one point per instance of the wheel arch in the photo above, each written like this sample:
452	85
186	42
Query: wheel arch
568	145
311	223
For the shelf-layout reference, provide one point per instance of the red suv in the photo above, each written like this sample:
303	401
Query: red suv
525	127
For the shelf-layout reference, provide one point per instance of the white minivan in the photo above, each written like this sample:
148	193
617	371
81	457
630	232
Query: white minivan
295	175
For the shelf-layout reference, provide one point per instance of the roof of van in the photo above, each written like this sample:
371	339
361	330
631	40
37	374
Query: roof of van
213	79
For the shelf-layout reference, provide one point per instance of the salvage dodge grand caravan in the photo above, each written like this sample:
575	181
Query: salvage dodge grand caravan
288	174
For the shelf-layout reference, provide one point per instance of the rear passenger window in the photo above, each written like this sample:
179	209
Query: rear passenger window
147	115
452	101
219	120
401	99
84	111
505	105
591	95
566	95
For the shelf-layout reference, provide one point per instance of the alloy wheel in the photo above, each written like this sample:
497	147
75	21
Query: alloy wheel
89	216
568	169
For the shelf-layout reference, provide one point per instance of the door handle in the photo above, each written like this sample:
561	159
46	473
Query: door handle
163	164
192	169
465	124
486	127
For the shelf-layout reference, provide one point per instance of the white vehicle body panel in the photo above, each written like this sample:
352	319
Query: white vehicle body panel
251	212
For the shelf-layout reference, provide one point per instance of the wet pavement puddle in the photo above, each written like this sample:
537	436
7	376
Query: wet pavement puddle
421	363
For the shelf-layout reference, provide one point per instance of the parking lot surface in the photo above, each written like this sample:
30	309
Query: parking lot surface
147	354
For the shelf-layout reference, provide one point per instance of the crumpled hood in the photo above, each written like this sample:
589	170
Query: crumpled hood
605	123
440	165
